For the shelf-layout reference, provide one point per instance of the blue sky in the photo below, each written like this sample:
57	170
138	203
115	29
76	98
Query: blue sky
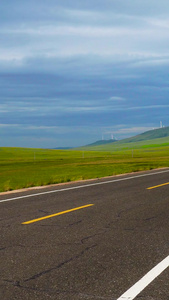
74	71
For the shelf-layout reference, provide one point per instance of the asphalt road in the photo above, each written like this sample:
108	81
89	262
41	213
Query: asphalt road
93	252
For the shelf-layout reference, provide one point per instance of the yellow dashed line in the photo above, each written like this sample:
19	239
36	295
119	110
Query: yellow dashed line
57	214
156	186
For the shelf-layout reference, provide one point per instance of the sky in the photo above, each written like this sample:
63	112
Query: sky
73	72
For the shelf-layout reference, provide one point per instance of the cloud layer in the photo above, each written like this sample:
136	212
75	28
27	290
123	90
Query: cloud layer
70	69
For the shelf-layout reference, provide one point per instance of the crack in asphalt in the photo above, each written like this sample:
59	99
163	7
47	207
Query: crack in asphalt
149	219
44	211
95	296
60	265
92	236
6	226
75	223
49	225
59	226
57	291
152	218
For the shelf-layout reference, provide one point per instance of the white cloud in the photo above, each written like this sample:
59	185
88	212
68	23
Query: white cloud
85	31
156	106
123	34
115	98
132	130
123	131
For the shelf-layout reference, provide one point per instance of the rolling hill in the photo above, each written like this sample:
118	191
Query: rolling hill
154	137
101	142
148	135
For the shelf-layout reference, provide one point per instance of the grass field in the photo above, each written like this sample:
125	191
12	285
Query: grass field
22	168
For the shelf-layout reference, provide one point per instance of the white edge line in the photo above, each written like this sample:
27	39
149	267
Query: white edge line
83	186
139	286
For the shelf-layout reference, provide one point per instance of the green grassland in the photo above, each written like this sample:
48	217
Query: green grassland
23	168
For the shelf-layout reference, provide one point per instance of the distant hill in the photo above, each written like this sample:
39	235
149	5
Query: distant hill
160	135
148	135
62	148
101	142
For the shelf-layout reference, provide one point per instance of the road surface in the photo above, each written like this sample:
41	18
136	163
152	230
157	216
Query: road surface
87	240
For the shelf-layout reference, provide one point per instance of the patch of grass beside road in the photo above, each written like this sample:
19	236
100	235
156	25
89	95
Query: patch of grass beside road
22	168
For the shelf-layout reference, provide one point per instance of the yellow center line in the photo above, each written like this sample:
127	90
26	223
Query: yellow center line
156	186
57	214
